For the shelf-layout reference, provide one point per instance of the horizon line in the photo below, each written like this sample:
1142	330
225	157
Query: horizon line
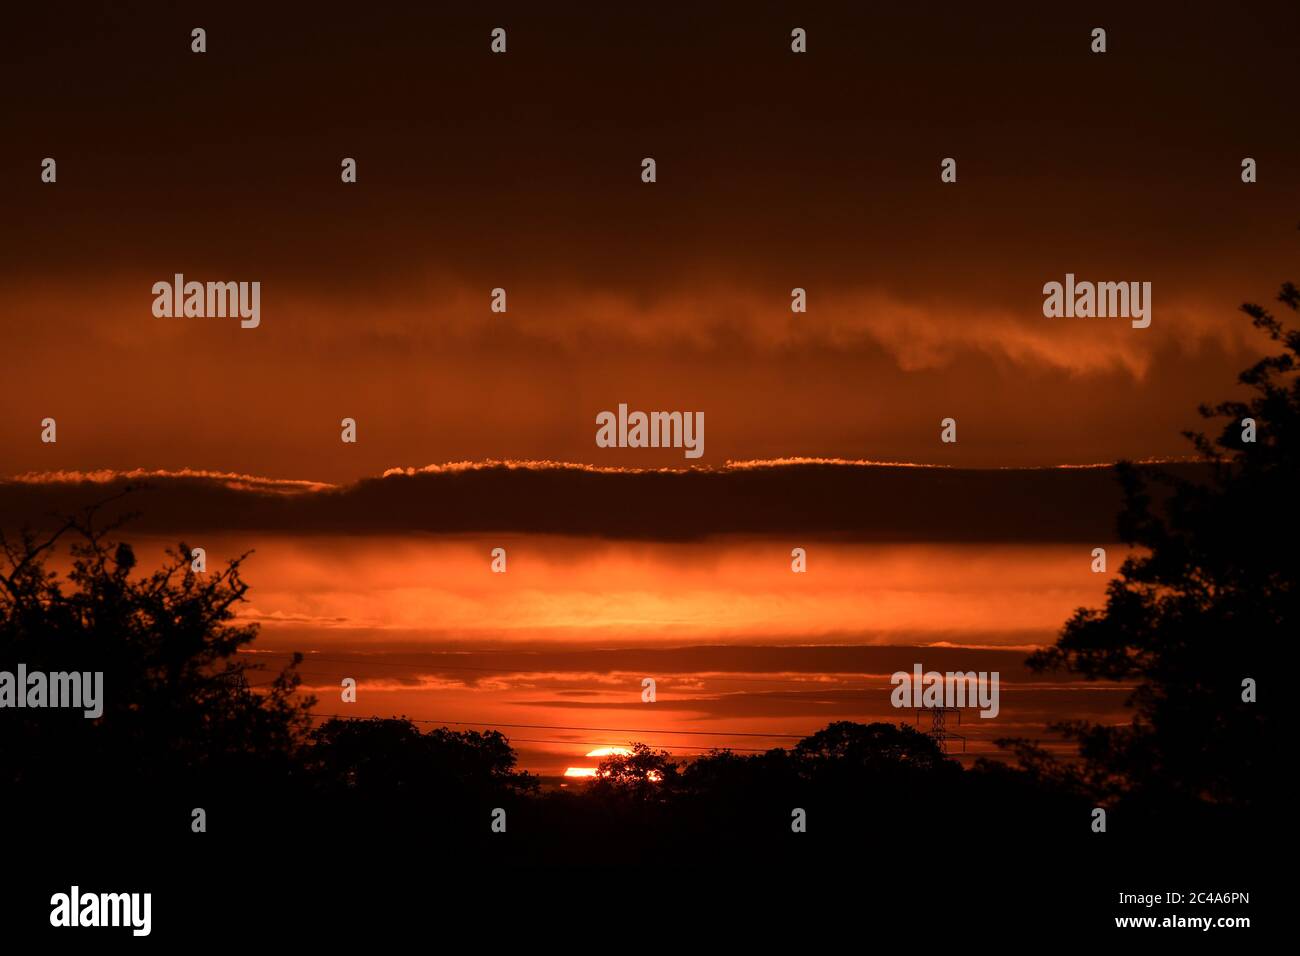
249	482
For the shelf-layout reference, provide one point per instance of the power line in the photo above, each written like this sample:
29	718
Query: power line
618	730
604	730
674	747
551	740
491	725
538	740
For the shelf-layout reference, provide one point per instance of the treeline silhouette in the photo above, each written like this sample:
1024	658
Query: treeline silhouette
182	729
1206	603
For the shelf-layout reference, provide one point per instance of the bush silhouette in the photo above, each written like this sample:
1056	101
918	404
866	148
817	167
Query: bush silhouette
178	717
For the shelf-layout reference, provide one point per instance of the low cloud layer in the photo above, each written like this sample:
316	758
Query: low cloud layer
858	501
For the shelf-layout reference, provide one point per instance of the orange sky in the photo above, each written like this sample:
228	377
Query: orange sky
775	171
737	644
521	172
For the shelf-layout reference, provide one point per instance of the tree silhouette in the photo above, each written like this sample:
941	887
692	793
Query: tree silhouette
645	774
873	749
177	713
1207	602
391	760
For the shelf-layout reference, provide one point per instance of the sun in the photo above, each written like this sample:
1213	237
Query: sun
610	752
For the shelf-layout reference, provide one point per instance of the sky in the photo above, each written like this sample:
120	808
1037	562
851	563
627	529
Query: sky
522	171
611	577
744	654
